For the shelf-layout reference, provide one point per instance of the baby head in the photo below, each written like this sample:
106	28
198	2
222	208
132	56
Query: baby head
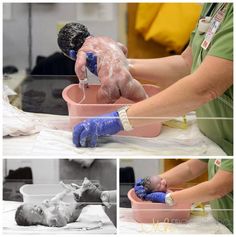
155	184
31	214
72	37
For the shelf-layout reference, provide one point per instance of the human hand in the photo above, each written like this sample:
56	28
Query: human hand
105	197
91	59
139	188
89	193
156	197
106	58
86	133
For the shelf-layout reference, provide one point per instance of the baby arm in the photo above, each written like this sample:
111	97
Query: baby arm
60	196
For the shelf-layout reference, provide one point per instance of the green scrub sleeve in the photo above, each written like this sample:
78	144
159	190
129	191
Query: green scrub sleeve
222	42
227	165
196	28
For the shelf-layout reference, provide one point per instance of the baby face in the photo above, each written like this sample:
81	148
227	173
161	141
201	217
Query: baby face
158	184
44	215
34	214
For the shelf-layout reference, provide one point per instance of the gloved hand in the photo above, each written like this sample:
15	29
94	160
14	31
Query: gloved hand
89	193
106	58
86	133
156	197
91	60
139	189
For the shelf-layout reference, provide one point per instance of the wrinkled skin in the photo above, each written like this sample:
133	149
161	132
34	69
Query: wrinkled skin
88	193
112	69
157	184
152	188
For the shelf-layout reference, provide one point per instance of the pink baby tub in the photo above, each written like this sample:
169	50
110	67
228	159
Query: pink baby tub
78	112
149	212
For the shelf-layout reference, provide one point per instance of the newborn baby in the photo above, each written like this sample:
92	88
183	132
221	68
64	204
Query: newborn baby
53	213
154	184
105	58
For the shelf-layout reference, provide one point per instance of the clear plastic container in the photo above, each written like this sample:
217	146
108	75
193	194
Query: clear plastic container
81	108
37	193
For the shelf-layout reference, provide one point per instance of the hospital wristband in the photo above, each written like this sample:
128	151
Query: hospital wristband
124	118
169	200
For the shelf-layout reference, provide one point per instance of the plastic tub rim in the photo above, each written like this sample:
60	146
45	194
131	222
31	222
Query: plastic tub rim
67	99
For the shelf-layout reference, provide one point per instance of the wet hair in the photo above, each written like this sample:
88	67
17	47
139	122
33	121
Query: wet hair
72	37
21	219
147	184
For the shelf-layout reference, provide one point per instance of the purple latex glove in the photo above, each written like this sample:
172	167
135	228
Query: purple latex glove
139	189
91	60
86	133
156	197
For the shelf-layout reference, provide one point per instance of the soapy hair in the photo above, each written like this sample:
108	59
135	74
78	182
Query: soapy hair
72	37
147	184
20	217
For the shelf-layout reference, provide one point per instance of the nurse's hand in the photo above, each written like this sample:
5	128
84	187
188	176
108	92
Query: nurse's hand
156	197
106	58
86	133
139	189
88	194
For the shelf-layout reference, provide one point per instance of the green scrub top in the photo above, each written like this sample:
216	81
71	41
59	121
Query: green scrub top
222	208
219	130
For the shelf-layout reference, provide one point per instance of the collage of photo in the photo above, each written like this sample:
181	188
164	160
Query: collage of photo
117	118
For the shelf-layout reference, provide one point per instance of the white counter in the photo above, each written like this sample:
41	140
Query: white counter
201	224
90	217
57	142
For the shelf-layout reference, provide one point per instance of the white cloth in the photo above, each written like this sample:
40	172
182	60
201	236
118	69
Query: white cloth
92	216
58	143
196	225
15	121
51	142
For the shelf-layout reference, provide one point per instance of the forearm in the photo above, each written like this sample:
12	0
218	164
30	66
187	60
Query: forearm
58	197
219	186
112	196
177	100
184	172
161	71
210	80
109	198
202	192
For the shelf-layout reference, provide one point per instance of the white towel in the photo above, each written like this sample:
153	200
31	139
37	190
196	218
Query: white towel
171	141
15	121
